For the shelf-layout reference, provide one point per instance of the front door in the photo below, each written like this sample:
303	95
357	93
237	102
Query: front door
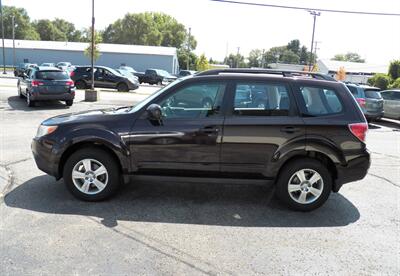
189	136
263	121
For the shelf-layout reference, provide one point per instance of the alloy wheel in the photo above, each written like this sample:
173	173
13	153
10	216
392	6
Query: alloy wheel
90	176
305	186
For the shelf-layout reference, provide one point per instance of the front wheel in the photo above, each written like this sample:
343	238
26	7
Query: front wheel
122	87
91	174
69	102
304	184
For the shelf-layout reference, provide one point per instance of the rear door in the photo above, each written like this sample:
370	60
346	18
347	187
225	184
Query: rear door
261	122
373	100
53	82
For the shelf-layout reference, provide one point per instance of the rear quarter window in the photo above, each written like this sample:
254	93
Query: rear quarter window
321	101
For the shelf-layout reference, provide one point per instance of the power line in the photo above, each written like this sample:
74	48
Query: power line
306	9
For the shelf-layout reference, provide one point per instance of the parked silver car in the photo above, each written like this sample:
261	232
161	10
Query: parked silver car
391	103
369	99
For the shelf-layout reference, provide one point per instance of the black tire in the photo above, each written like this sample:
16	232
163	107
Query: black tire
29	102
80	84
159	82
69	102
106	160
122	87
286	174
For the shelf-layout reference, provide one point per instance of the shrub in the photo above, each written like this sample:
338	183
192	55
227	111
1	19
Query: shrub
395	84
380	80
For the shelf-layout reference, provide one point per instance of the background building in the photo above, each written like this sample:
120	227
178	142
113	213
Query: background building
112	55
355	72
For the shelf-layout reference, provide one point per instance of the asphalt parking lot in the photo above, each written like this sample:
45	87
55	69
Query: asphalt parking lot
177	228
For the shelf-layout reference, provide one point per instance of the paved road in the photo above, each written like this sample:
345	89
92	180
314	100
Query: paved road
175	228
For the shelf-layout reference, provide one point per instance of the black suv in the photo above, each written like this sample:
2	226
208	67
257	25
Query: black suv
104	77
306	136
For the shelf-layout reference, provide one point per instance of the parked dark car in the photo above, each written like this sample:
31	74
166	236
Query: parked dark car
185	73
156	76
104	77
308	139
46	83
369	99
391	103
22	68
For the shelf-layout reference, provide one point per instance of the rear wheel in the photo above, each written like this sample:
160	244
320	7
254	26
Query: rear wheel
91	174
29	102
80	84
304	184
69	102
122	87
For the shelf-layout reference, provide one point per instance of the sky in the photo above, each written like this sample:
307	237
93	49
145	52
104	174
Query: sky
220	27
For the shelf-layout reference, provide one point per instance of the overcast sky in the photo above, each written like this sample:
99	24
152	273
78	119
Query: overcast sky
219	26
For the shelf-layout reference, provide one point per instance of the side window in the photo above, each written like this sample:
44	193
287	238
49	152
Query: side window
261	99
321	101
353	90
194	101
386	95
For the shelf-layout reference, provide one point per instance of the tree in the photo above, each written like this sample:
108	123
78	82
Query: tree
23	26
380	80
395	83
202	63
303	55
47	31
294	46
350	56
394	69
288	56
68	29
235	61
183	55
97	40
255	58
341	74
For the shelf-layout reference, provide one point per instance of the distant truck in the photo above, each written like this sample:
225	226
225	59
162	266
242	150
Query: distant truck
155	76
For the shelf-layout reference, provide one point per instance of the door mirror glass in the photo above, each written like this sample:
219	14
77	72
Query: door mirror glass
154	112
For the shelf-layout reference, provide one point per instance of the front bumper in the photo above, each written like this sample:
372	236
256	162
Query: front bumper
356	169
45	157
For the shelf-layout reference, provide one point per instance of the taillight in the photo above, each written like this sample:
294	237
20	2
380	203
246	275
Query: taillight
70	83
361	102
72	74
359	130
36	83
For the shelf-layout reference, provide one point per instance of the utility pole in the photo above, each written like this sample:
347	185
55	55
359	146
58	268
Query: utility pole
316	48
2	36
13	38
314	14
262	58
92	54
188	50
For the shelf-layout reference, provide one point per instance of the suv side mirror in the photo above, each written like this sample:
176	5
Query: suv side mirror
154	113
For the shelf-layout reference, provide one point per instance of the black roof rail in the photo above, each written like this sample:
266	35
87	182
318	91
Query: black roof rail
284	73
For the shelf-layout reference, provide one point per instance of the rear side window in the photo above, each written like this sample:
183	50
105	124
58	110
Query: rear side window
353	90
261	99
372	94
52	75
321	101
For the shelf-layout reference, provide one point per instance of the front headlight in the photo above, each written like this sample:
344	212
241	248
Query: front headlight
45	130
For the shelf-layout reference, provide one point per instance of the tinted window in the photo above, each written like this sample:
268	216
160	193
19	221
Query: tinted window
52	75
372	94
353	90
387	95
396	96
261	99
194	101
321	101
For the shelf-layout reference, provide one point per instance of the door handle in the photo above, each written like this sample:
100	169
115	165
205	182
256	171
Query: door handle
290	129
209	130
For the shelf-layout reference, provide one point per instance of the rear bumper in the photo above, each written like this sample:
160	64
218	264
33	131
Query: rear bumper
356	169
374	114
47	97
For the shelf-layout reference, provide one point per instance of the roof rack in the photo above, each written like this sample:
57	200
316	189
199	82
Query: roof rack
284	73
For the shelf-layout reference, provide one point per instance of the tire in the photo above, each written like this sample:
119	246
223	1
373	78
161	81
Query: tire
80	84
84	186
122	87
315	193
159	83
29	102
69	102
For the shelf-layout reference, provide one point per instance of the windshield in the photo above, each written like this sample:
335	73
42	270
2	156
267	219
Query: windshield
372	94
52	75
